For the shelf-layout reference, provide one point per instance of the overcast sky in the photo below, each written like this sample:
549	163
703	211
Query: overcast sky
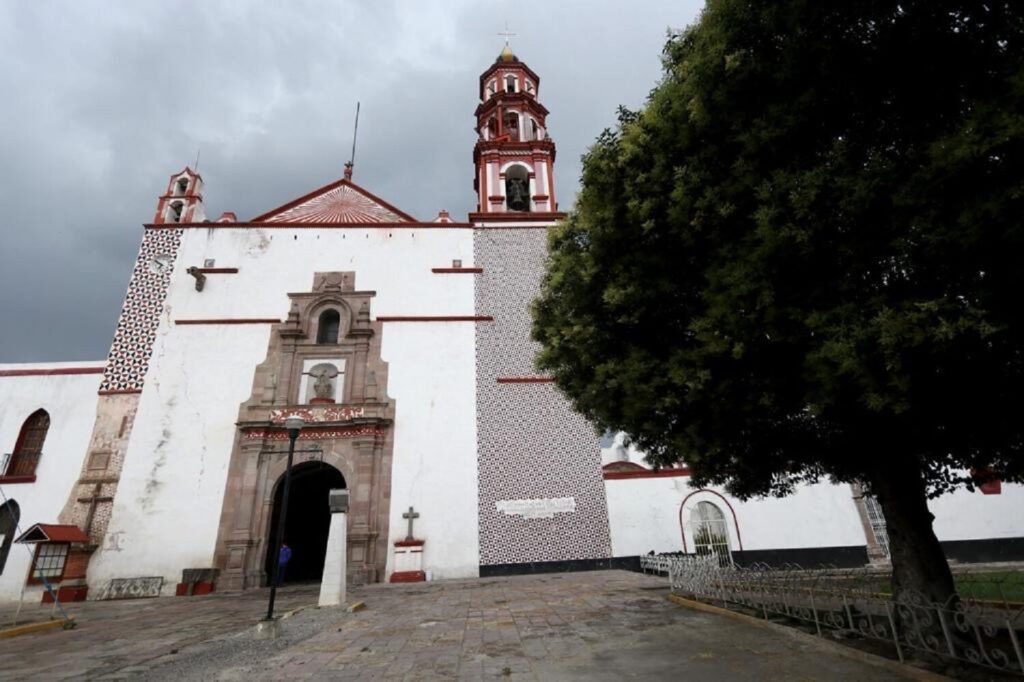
103	101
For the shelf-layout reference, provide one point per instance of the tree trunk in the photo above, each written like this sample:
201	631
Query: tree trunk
919	566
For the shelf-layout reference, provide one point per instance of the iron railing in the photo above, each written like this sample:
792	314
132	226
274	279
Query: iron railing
20	464
983	626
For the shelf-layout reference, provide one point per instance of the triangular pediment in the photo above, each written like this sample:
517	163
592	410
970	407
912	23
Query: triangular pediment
341	202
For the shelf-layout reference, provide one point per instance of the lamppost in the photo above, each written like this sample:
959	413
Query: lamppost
293	425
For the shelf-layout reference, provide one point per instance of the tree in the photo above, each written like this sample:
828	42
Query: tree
804	258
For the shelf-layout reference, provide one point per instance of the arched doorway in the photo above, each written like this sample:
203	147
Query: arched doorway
309	519
10	513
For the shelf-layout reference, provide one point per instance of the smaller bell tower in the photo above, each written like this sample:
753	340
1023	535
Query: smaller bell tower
183	201
514	155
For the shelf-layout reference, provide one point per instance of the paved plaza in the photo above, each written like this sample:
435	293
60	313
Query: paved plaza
606	625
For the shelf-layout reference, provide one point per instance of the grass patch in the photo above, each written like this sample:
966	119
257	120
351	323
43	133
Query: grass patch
994	586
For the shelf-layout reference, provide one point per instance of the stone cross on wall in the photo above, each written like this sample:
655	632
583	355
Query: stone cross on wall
411	515
93	502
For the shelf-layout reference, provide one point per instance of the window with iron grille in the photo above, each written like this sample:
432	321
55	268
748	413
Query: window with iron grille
49	562
711	532
877	520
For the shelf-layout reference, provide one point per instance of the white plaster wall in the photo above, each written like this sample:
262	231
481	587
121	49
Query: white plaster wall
168	502
644	516
432	378
168	505
963	515
70	399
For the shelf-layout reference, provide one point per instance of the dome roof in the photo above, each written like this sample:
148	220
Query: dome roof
507	55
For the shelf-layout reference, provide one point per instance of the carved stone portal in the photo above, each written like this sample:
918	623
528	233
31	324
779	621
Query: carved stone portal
340	390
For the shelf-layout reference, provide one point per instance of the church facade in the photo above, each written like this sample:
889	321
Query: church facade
404	346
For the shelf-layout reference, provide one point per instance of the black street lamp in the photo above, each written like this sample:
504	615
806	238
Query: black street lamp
294	425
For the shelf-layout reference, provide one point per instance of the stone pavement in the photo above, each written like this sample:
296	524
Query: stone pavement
605	625
112	636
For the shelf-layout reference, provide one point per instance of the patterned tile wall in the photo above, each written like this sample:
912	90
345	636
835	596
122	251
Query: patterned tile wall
140	315
530	443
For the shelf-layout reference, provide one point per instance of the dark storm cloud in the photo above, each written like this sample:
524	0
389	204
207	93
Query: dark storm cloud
104	101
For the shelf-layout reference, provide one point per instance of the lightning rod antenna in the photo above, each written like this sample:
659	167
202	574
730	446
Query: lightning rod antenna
352	160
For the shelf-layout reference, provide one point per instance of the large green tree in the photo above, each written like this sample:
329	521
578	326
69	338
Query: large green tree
804	258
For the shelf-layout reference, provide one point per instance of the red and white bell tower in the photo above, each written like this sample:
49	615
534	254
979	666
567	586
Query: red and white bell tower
514	154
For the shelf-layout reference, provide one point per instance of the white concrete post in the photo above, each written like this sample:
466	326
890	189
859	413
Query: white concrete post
332	585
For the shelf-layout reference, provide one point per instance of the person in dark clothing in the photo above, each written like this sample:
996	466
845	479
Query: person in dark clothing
283	557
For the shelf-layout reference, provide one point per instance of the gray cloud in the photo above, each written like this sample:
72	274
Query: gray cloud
104	101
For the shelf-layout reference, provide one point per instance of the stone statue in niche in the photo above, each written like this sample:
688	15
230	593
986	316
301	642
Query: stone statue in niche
322	384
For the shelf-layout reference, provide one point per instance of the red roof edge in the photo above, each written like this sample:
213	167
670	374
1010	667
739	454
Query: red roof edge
53	532
327	188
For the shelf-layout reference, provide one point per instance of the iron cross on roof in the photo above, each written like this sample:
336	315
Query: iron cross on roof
508	34
411	515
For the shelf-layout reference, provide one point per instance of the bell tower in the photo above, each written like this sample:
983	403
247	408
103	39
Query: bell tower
183	201
514	155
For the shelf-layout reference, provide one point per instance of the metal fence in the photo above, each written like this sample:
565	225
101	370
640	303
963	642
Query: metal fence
984	626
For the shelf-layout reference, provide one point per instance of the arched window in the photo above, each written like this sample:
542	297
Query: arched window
174	211
10	513
511	123
510	83
492	128
517	188
181	187
535	130
328	326
710	532
29	445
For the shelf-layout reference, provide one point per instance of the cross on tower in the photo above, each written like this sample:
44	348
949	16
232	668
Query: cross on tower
506	33
411	515
93	501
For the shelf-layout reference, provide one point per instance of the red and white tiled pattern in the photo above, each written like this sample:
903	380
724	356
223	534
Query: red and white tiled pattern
531	445
140	315
339	205
317	433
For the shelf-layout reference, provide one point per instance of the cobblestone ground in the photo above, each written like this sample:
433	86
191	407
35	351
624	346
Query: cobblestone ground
606	625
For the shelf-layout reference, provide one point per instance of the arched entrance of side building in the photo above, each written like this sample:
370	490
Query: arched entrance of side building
307	522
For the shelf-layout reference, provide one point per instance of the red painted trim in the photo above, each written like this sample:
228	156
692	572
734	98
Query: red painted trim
452	271
5	480
198	589
217	271
524	380
409	543
735	522
237	320
517	217
120	391
408	577
435	318
50	372
646	473
332	186
67	594
311	225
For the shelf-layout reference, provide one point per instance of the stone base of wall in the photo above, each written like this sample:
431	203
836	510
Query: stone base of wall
627	563
984	550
